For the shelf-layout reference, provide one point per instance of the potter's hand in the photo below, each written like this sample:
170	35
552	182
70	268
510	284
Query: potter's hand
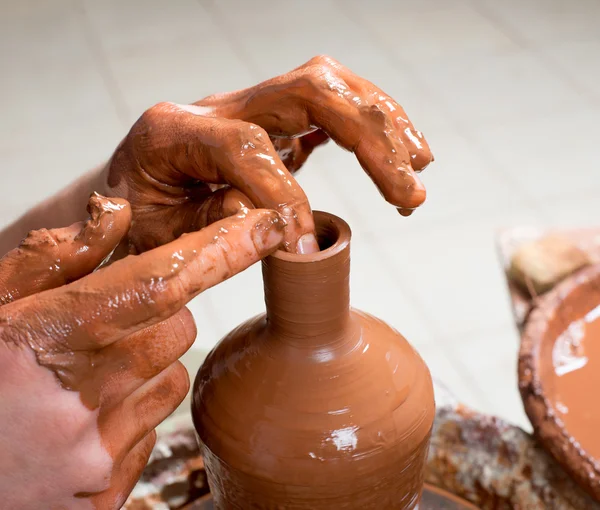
250	140
88	369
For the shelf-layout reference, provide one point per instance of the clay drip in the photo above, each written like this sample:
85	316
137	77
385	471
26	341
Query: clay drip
314	405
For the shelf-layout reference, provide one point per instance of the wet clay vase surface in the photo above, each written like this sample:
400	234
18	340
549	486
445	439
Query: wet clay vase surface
559	375
433	499
313	405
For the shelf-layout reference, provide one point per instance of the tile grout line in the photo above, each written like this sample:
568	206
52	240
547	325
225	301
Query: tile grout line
550	64
422	309
101	60
234	44
464	129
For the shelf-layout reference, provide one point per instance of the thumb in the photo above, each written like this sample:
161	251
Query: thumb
47	259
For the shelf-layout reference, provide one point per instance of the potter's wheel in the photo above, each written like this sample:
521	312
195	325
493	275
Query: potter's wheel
432	499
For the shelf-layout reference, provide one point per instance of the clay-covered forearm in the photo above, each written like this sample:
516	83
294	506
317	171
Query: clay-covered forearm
64	208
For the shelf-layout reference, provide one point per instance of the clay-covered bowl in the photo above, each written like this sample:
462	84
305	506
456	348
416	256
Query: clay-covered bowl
555	344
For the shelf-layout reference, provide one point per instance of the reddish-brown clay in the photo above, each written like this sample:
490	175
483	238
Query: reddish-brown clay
559	371
182	167
314	405
88	362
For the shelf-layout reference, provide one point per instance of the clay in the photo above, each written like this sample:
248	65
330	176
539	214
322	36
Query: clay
47	259
184	166
480	458
558	375
97	357
313	405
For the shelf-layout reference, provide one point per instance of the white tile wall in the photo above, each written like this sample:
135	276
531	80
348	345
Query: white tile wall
506	92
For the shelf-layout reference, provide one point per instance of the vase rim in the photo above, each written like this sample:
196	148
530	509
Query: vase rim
330	228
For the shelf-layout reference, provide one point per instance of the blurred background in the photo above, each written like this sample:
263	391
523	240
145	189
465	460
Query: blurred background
506	93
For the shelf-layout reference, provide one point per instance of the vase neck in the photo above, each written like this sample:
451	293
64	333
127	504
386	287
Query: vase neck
308	296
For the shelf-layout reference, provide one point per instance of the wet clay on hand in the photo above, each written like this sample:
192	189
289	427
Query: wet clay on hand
89	368
184	166
47	259
559	374
313	405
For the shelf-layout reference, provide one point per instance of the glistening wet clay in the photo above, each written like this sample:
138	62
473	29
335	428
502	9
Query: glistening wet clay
97	358
576	362
314	405
559	373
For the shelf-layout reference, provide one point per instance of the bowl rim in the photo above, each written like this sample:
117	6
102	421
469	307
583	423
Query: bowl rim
547	426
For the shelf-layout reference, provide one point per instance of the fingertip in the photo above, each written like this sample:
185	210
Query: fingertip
268	231
307	244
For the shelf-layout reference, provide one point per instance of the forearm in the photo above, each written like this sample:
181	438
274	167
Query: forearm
64	208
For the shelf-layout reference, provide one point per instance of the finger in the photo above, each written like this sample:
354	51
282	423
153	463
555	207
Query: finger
127	474
152	230
123	426
352	111
295	151
142	290
124	366
221	151
221	204
48	259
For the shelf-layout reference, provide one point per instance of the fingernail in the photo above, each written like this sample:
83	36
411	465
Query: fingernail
268	233
307	244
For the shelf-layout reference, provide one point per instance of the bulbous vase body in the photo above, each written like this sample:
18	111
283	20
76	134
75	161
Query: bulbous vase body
314	405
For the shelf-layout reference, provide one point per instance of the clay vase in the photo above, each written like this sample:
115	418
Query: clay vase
314	405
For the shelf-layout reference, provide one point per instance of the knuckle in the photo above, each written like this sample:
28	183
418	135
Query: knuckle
323	60
153	117
317	75
247	135
167	295
323	79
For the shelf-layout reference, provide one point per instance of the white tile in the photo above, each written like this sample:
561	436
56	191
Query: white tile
460	181
375	291
350	43
453	270
395	9
452	377
72	106
126	26
57	153
183	72
256	25
544	21
51	88
489	359
580	209
236	300
38	35
321	195
207	323
549	157
508	87
27	7
578	61
424	38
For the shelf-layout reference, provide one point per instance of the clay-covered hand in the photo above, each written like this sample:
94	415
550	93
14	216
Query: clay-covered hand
184	166
89	368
